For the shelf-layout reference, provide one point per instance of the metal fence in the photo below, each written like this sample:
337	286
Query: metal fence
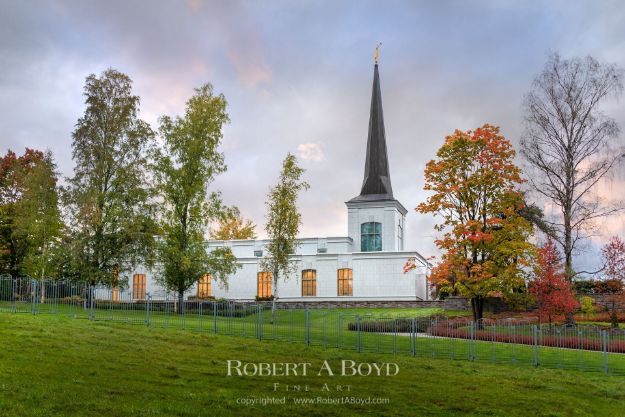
588	348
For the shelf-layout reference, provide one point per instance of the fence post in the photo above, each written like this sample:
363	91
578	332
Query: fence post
307	332
33	295
535	345
605	351
472	341
200	303
147	309
215	316
91	296
259	308
13	290
358	333
413	331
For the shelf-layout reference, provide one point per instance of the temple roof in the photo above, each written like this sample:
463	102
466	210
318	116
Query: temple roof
376	184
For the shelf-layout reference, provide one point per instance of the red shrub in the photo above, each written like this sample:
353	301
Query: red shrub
562	341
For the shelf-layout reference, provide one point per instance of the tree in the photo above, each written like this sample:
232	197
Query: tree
38	222
184	169
474	190
232	226
570	145
109	195
27	197
283	222
552	291
613	254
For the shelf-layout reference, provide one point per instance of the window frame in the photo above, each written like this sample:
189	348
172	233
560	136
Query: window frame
205	287
309	283
345	279
368	241
264	282
139	287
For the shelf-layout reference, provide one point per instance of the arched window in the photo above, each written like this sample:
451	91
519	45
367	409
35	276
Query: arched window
138	286
204	286
370	237
345	282
264	285
309	283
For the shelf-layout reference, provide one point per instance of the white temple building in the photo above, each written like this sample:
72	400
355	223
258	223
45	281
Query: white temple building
365	265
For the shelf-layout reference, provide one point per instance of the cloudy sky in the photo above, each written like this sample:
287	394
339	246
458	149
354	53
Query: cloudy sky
297	76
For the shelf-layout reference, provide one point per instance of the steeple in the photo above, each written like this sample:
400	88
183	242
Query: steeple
376	184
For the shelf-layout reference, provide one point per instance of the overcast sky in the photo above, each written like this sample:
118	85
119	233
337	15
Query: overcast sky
297	76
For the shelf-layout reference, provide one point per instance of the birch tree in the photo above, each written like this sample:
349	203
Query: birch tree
570	145
109	194
184	170
283	222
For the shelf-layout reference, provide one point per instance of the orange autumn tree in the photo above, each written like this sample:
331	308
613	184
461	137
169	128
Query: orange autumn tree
485	248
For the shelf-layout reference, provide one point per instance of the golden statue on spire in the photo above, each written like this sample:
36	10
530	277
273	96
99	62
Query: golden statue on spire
377	52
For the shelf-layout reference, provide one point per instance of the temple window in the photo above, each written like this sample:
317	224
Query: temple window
371	237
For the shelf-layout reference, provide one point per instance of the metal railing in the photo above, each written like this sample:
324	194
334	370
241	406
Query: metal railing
522	342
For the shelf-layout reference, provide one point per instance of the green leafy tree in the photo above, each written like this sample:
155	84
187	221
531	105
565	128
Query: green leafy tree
39	220
185	167
14	171
231	226
283	222
109	195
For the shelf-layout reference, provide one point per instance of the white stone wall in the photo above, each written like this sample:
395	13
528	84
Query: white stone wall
376	275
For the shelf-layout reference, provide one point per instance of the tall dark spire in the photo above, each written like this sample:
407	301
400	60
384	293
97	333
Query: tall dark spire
376	184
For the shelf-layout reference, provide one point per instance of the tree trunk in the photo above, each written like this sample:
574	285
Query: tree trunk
477	306
43	286
613	316
180	307
568	259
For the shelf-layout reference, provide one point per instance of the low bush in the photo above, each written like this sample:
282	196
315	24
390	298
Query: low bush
72	299
570	342
587	305
382	325
600	317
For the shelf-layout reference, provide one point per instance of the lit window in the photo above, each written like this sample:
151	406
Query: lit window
370	237
309	283
345	281
204	286
264	285
138	286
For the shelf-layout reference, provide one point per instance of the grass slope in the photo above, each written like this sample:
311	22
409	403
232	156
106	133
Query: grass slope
54	366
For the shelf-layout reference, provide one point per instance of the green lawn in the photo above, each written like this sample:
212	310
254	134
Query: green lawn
56	366
328	328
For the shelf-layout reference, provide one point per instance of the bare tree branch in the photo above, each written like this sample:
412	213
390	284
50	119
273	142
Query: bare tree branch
571	145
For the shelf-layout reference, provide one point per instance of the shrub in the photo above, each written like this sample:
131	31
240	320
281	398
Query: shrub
73	299
569	342
587	305
587	286
389	325
603	317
